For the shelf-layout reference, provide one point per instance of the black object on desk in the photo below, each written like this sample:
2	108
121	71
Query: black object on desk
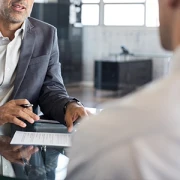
43	164
8	178
116	75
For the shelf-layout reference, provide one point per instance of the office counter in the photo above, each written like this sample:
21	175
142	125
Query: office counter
115	75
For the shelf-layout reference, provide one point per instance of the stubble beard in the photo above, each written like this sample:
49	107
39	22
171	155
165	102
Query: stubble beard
8	16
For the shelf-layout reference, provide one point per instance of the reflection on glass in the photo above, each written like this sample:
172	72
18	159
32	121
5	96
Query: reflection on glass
152	13
124	14
42	165
32	162
90	14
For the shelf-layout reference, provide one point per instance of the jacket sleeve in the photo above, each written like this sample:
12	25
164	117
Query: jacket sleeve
53	95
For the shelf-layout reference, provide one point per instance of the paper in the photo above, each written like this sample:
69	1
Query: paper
39	138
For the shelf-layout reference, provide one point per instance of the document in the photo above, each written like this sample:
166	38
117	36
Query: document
41	138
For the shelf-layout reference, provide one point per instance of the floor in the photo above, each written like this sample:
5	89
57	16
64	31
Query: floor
91	97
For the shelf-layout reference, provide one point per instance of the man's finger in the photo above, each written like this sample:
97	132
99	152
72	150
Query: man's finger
70	128
31	114
33	150
28	151
15	148
89	112
82	112
16	121
69	123
20	102
25	114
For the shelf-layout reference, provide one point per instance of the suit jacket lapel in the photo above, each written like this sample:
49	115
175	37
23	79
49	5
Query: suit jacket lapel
25	56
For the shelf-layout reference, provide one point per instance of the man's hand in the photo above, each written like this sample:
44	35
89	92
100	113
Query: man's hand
12	110
74	111
15	154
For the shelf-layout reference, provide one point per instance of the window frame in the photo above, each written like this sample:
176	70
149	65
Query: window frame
101	14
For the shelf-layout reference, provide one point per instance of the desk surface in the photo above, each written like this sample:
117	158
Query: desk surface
33	162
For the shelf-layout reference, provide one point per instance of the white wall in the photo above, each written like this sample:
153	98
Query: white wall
100	41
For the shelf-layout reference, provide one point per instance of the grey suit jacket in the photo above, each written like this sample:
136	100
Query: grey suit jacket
38	76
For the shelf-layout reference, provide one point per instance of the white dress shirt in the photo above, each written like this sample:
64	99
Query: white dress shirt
134	138
9	56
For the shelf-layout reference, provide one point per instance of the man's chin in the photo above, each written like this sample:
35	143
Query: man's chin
14	20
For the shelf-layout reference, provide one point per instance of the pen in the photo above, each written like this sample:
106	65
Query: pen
26	105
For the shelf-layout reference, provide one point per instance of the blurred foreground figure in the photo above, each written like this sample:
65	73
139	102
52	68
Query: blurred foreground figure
136	137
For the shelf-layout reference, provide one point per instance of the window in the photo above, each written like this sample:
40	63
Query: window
124	14
90	12
152	13
120	12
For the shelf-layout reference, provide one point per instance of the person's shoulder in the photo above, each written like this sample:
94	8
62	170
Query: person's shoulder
137	112
40	24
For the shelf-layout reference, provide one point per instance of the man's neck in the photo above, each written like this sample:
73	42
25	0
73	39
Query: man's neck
175	30
9	29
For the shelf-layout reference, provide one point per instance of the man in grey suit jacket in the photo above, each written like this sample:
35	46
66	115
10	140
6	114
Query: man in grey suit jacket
29	73
37	76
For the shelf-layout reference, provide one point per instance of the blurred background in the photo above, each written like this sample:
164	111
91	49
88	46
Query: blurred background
108	48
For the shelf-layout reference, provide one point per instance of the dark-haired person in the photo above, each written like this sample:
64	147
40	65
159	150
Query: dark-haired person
136	137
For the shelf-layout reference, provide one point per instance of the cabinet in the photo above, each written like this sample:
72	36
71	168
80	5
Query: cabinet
110	75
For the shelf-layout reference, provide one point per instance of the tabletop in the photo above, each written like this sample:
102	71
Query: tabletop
32	162
35	162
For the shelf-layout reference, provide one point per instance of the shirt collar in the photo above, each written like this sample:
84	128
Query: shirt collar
23	29
20	30
3	38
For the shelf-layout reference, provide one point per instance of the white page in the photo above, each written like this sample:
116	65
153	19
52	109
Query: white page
41	138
